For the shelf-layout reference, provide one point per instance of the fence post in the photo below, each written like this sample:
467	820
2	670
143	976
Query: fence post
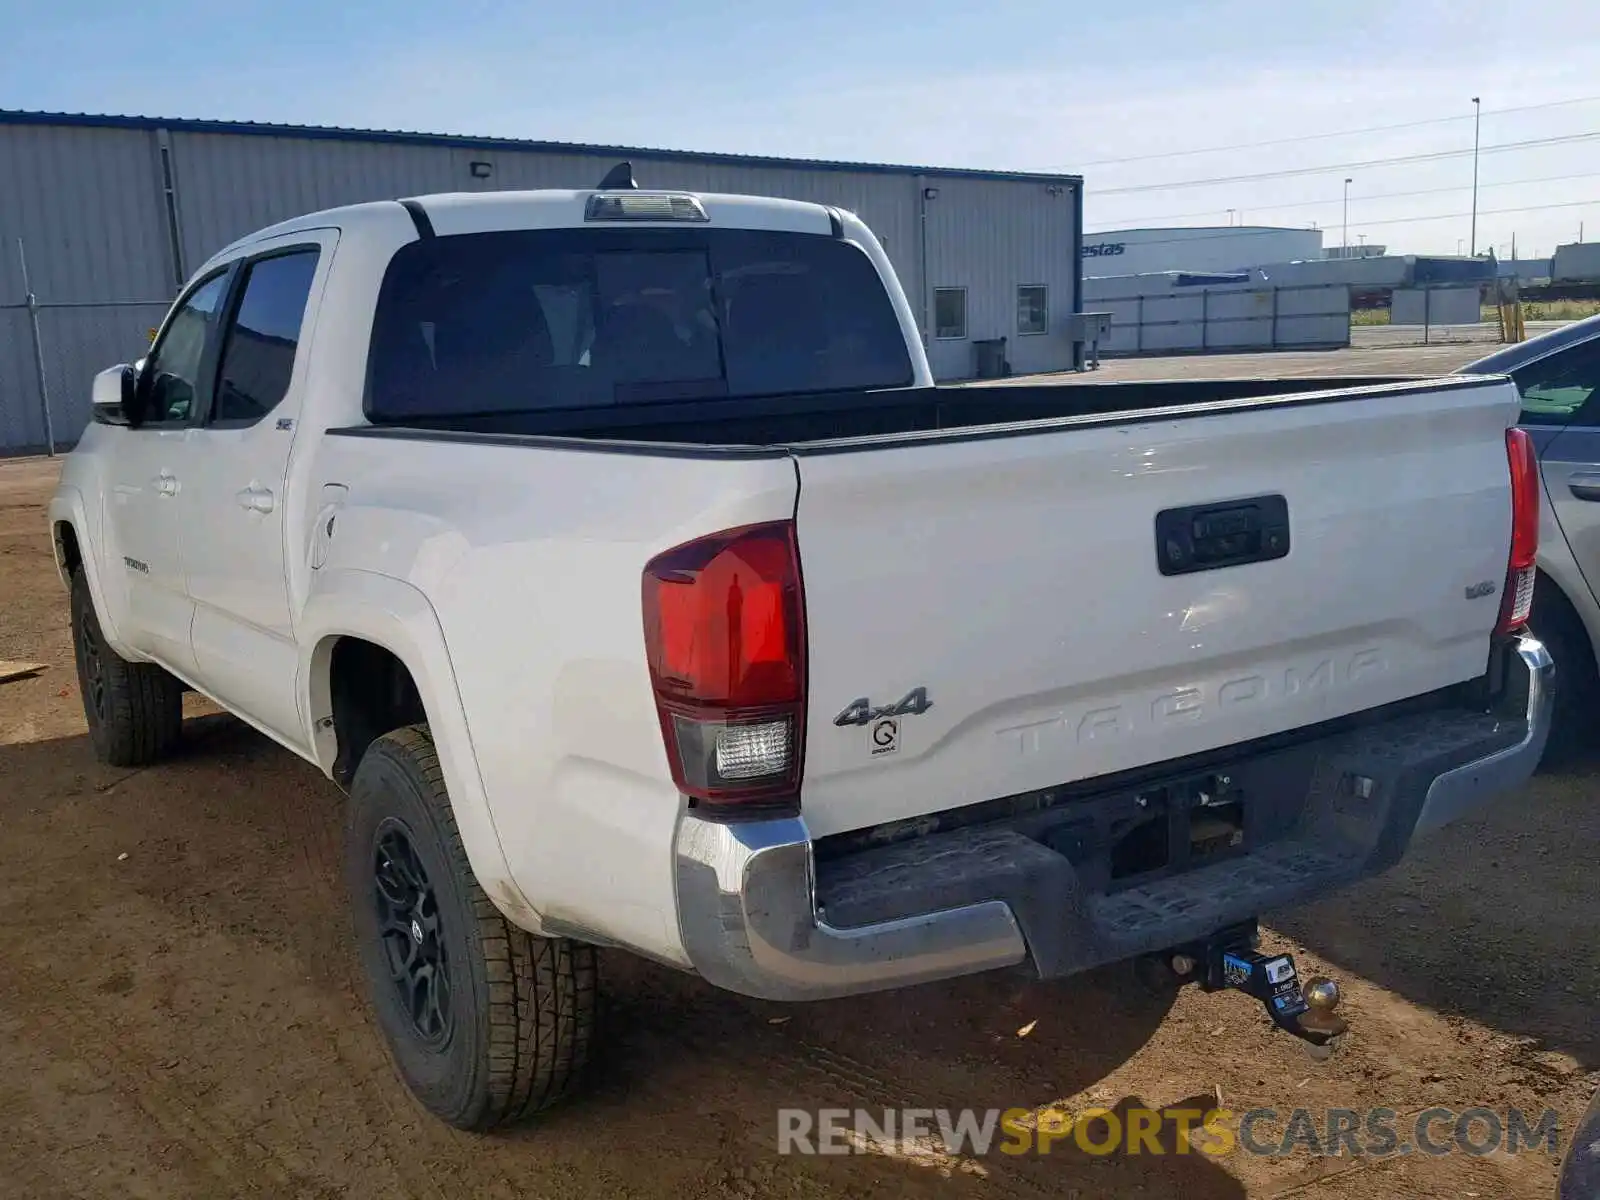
1205	318
1138	328
32	302
1427	315
1272	337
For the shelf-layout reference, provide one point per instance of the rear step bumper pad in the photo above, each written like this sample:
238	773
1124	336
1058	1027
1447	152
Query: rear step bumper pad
758	916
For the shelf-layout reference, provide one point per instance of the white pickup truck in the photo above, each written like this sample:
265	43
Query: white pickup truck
613	549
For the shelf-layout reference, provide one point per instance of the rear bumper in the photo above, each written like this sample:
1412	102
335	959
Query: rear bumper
759	915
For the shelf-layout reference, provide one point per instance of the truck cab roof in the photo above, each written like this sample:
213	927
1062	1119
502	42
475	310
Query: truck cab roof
451	213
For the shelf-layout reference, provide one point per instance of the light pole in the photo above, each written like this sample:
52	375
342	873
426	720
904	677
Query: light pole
1344	240
1230	218
1477	117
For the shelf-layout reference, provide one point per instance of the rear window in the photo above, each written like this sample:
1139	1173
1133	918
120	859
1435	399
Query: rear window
527	320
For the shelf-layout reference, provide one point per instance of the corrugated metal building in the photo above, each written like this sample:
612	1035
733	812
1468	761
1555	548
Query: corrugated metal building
1196	248
114	212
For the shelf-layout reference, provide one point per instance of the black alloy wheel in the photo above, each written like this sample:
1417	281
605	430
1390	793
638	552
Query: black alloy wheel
486	1023
91	665
409	924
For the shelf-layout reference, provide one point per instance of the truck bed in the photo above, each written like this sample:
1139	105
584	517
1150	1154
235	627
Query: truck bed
1079	579
863	419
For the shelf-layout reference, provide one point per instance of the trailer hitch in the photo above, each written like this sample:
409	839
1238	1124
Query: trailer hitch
1230	960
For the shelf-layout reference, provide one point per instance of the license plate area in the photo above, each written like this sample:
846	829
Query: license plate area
1163	829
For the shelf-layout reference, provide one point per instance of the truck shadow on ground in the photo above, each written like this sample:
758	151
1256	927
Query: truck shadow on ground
232	852
942	1047
1497	915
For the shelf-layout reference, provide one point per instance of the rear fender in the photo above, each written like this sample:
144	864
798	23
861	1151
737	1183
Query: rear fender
393	614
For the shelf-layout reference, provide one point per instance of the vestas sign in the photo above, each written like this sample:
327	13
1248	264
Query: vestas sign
1104	249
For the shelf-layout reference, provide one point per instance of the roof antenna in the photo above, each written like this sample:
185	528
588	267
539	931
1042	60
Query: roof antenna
619	177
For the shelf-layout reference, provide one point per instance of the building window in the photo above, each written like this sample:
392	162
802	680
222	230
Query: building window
1033	309
949	313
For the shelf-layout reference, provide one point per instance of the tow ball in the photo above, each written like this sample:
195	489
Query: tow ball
1231	961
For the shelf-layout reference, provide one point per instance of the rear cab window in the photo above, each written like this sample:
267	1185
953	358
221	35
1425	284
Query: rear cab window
530	320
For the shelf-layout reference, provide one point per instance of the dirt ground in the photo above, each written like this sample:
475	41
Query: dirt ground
179	1015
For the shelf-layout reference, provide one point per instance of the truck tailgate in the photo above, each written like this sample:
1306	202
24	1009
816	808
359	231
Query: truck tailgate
1003	590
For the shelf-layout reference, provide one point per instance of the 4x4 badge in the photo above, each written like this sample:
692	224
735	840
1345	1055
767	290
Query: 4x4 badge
863	712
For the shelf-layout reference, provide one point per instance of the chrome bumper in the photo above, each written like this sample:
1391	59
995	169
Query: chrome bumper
1456	793
750	921
747	913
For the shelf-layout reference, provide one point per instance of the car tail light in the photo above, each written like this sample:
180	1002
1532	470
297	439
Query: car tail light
724	631
1517	600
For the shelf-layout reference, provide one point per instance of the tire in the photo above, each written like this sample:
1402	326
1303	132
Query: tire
1573	727
134	710
510	1033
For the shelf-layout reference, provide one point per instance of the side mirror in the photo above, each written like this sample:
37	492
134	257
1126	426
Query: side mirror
115	397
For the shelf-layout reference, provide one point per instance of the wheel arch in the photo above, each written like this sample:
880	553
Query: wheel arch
72	539
352	608
1558	575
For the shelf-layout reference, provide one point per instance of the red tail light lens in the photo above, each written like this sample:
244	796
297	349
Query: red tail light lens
724	629
1517	600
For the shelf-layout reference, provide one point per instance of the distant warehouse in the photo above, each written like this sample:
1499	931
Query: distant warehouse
1196	248
113	213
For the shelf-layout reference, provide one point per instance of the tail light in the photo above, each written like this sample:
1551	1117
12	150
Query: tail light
1517	600
724	631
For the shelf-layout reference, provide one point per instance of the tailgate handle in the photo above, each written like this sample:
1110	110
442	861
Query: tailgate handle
1585	485
1208	537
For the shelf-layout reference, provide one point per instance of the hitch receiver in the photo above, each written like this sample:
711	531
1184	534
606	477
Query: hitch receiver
1229	960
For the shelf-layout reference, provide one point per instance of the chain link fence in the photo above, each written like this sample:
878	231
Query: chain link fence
1432	316
50	351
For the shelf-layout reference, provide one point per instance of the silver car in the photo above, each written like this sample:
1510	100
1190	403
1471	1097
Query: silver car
1558	374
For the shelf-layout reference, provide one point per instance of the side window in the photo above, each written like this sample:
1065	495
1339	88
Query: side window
260	344
949	313
172	374
1554	389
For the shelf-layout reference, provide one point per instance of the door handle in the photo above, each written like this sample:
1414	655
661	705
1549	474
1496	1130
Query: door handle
256	498
1585	485
166	484
1211	537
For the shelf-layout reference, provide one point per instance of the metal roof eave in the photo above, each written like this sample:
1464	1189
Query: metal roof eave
404	137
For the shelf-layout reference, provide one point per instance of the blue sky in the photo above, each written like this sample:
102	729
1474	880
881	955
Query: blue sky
1014	84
